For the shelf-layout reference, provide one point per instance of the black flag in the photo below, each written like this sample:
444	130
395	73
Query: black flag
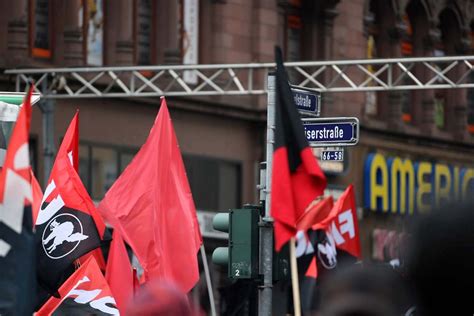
68	225
326	245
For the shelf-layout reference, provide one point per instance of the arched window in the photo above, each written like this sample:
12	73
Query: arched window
95	19
450	44
41	28
144	13
292	34
421	46
383	37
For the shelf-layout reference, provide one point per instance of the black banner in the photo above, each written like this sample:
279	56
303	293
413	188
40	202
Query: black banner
67	236
18	268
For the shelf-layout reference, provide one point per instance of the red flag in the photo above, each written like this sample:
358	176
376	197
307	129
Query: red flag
342	224
71	150
152	207
325	243
68	224
119	273
71	146
317	213
85	292
17	163
297	179
17	243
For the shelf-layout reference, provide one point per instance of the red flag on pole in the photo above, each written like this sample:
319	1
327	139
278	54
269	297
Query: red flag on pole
152	206
297	179
68	224
71	150
17	243
343	225
85	292
70	145
119	273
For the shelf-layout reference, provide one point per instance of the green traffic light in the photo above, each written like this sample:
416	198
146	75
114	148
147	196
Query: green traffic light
220	256
220	222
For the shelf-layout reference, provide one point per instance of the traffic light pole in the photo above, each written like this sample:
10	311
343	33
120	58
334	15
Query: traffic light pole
266	225
47	108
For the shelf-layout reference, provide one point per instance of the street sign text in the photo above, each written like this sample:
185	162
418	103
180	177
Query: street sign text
335	131
307	102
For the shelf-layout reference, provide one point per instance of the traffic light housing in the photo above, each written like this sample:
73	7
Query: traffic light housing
241	255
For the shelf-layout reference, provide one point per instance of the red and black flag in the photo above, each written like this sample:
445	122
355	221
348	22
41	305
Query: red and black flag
17	243
68	224
326	245
297	179
85	292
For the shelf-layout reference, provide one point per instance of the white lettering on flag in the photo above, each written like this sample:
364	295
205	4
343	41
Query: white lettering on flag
56	204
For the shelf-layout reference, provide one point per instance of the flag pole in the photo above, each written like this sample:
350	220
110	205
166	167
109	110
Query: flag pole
294	279
208	281
266	225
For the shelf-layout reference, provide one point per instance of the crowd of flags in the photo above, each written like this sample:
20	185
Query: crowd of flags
50	244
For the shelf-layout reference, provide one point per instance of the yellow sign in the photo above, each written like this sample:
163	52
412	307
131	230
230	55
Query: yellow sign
403	186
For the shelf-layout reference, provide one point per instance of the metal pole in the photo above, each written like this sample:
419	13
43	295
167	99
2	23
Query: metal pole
208	281
266	227
47	109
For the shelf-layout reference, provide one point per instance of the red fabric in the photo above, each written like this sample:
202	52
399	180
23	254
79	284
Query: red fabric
119	273
152	206
70	145
66	189
312	271
98	256
87	279
315	214
67	180
37	196
346	227
292	193
341	222
17	157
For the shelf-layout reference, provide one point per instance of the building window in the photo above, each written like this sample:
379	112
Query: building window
40	28
422	41
100	166
293	28
293	34
95	32
215	184
143	31
189	24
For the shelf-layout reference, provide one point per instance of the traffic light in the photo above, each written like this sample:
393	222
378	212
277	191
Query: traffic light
241	255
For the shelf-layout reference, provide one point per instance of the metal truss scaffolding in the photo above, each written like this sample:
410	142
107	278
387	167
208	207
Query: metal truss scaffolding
249	79
240	79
